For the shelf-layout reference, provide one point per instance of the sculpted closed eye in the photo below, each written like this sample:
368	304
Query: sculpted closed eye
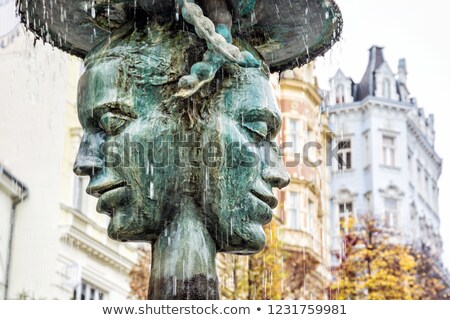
258	127
113	123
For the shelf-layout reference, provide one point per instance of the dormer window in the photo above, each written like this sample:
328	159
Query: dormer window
340	97
386	88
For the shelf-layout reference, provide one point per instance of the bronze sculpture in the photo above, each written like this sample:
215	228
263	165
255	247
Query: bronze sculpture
180	123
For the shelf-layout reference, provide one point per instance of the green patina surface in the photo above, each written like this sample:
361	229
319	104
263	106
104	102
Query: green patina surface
245	6
180	123
191	176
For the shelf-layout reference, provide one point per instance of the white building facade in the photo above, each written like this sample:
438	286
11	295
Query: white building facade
53	244
384	162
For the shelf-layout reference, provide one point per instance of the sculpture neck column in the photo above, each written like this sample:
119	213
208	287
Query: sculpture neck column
183	259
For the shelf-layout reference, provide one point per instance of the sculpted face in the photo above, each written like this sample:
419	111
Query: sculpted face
129	149
124	132
238	196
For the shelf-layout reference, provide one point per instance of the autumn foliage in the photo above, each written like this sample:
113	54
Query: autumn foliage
258	277
430	276
376	266
140	275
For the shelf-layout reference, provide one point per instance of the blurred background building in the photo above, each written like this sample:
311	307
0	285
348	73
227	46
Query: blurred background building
53	244
304	205
384	161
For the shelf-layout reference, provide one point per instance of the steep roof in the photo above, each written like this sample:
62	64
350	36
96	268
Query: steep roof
367	85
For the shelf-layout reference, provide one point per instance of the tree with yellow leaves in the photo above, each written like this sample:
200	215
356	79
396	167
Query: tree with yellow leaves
233	276
373	266
431	275
140	275
266	273
258	277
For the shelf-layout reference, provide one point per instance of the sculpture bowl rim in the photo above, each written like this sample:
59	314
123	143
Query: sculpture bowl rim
305	30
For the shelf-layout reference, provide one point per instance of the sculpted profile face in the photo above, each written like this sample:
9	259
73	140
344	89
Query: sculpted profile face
238	191
126	147
113	120
157	188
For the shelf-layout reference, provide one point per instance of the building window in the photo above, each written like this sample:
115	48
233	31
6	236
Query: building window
79	183
344	155
79	193
292	136
85	291
345	212
345	208
391	213
340	97
386	88
389	151
292	207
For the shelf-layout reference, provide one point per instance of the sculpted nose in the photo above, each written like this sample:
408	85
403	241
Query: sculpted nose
274	171
86	166
88	161
276	176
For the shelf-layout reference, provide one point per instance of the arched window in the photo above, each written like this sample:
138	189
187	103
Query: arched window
386	88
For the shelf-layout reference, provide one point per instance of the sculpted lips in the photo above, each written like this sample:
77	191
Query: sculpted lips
264	194
98	190
110	194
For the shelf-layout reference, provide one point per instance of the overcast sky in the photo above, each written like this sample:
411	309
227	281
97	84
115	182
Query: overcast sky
411	29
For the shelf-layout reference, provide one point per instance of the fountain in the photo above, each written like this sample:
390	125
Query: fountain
180	120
